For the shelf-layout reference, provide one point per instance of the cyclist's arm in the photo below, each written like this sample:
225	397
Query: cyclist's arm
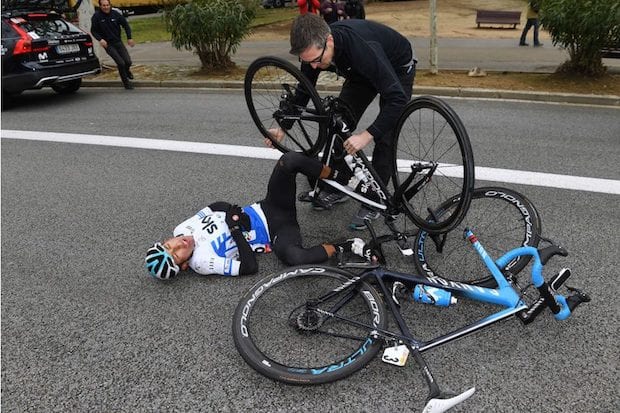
247	259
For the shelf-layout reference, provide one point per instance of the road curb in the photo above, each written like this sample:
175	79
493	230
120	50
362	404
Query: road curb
602	100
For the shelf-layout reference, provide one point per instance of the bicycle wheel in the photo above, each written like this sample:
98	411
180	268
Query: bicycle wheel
433	160
285	331
279	95
502	219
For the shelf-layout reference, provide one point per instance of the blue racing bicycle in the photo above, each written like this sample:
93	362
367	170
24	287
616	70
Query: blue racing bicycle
317	324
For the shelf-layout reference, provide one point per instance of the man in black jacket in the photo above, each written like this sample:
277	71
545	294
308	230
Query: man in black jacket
106	28
373	59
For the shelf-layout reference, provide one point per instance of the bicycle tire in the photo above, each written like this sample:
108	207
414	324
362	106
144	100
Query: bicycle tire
272	89
430	133
271	332
502	219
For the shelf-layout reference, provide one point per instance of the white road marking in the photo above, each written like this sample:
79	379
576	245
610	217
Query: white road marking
578	183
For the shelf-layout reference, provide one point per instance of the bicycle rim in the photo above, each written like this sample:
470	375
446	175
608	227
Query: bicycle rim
283	339
431	137
502	220
276	93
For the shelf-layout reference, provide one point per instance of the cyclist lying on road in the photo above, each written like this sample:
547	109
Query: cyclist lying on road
222	238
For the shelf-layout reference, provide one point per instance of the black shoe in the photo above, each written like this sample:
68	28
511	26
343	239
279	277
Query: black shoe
523	44
128	85
129	74
358	247
327	198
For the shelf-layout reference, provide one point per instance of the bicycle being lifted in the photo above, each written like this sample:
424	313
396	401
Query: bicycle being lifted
433	173
317	324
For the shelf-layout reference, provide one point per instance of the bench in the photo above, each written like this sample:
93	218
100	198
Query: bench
611	53
498	17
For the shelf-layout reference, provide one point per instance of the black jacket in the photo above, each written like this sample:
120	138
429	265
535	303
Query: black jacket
376	54
108	26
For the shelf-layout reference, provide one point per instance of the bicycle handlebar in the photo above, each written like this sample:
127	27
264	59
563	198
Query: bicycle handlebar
560	305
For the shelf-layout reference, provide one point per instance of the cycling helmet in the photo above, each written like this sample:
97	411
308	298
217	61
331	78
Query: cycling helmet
160	263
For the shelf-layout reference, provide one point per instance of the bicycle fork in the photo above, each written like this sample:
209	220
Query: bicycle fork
437	401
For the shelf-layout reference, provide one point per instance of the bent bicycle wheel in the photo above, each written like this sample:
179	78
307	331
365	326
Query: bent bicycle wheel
502	219
433	161
300	327
278	95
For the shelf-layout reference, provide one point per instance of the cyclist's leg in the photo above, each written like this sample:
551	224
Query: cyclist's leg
282	185
287	245
280	209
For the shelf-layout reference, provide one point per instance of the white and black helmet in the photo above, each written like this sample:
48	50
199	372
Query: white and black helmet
160	263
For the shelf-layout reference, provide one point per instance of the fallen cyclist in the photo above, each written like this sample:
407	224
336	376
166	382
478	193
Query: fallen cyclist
222	238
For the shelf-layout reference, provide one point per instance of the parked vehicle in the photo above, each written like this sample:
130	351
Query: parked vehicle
42	49
275	3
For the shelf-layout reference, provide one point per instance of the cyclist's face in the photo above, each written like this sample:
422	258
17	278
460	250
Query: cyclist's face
318	57
181	248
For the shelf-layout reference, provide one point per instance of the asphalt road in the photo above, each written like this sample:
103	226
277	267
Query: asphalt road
85	329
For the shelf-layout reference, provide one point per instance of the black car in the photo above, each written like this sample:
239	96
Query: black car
40	48
267	4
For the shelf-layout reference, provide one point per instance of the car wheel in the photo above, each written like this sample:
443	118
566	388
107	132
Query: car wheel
68	87
278	3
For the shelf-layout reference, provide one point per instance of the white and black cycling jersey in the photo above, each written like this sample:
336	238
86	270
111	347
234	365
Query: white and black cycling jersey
215	251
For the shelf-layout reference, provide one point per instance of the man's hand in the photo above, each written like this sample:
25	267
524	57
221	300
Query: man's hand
103	43
277	134
357	142
237	219
131	43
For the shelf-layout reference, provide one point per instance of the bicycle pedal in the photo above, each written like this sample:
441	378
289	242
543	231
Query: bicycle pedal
575	292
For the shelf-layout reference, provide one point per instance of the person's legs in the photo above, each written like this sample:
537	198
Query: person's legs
282	186
122	50
526	29
115	50
287	246
536	25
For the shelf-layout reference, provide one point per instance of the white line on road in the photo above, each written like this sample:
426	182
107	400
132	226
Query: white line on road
578	183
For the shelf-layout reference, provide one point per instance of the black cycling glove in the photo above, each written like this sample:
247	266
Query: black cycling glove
237	219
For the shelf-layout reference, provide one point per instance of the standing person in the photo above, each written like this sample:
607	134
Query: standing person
106	28
355	9
533	7
309	6
222	238
332	11
373	59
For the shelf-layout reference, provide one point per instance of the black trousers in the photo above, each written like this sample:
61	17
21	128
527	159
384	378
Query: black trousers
358	94
280	209
118	52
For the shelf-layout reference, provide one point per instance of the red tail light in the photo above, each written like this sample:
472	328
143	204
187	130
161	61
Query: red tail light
24	44
88	44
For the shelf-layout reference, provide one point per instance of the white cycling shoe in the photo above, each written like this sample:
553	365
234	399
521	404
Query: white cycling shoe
443	402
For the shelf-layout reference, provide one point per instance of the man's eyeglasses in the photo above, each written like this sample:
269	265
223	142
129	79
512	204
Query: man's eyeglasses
318	59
